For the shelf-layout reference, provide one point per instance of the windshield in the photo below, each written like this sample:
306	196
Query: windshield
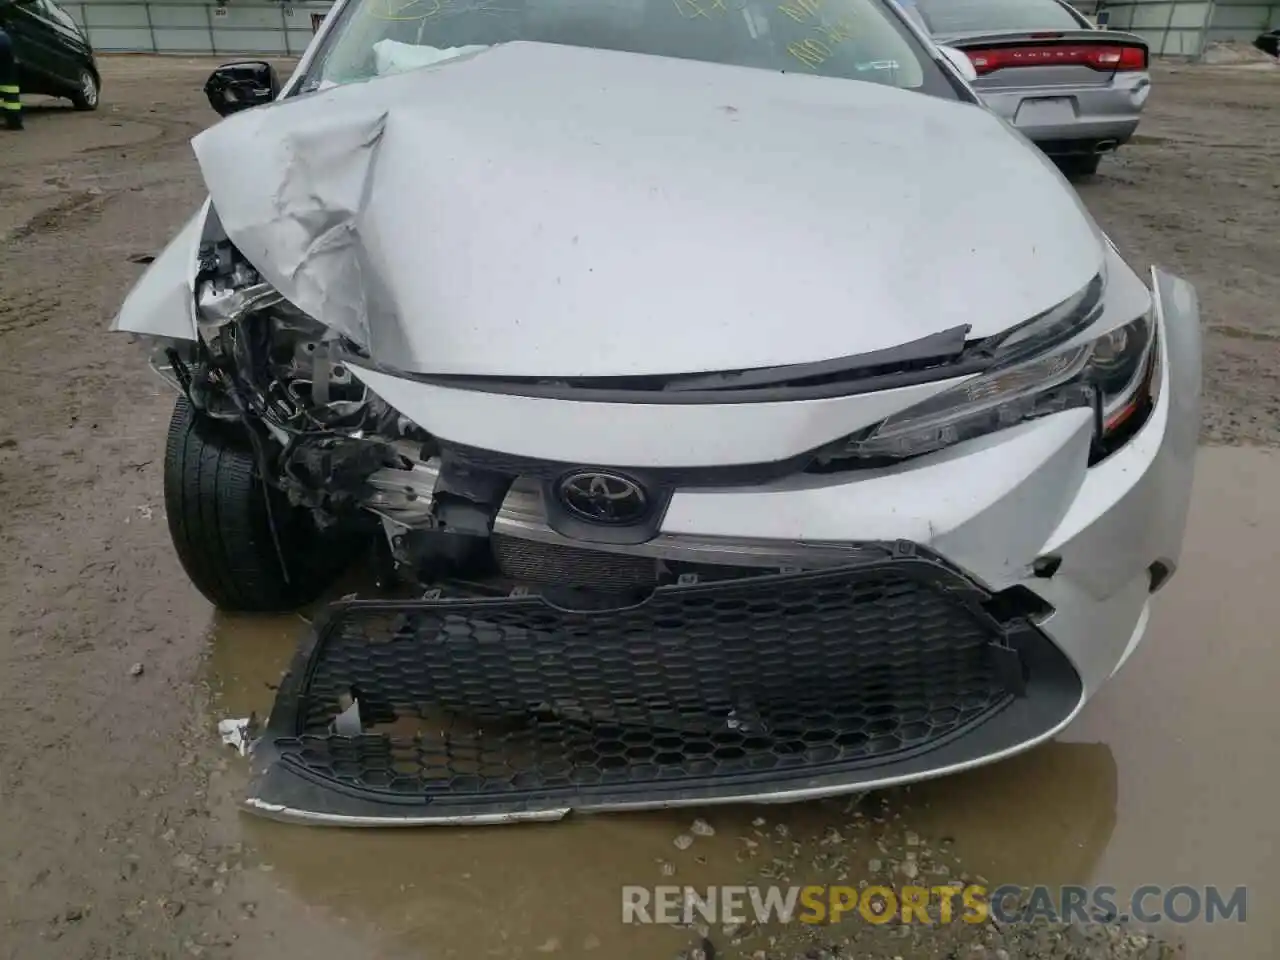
855	39
964	16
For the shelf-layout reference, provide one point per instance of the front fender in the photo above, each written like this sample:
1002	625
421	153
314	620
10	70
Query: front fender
162	303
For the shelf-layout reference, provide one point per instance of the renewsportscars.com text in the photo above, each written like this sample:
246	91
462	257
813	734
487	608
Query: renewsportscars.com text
820	904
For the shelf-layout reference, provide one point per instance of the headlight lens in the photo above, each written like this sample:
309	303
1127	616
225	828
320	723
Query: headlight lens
1111	374
1120	369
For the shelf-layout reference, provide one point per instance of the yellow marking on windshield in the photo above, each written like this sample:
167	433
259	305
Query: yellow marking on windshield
801	10
692	9
397	11
818	47
811	52
836	32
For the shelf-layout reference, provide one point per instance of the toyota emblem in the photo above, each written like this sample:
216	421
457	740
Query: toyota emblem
600	497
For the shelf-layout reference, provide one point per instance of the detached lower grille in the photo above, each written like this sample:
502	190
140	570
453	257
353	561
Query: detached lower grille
703	690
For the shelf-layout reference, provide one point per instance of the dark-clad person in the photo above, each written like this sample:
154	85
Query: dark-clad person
10	93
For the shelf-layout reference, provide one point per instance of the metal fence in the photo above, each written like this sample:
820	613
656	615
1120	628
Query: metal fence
1182	29
1170	29
196	28
1241	20
1178	28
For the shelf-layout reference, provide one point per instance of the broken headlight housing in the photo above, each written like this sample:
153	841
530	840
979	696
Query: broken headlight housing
1031	377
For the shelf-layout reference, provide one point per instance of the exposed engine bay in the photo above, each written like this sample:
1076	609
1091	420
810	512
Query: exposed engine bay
320	435
336	449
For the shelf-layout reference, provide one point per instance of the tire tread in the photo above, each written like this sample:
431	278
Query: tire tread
216	505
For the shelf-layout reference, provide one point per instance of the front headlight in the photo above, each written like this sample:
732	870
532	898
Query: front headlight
1111	375
1121	372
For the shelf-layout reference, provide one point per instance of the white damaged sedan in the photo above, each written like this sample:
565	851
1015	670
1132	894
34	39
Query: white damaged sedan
723	403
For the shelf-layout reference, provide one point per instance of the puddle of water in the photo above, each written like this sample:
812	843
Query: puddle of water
1189	723
1167	778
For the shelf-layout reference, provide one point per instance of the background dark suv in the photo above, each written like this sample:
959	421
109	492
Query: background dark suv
54	55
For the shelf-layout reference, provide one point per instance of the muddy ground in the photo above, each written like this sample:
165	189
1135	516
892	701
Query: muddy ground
117	833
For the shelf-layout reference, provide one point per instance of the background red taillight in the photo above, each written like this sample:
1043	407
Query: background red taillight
1097	56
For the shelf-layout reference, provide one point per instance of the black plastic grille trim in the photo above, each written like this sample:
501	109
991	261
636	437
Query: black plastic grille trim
703	689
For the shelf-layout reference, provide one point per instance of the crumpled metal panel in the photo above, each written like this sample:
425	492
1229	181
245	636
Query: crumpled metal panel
495	214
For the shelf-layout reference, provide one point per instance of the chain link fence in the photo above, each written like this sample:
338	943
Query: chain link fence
1183	29
237	27
1175	28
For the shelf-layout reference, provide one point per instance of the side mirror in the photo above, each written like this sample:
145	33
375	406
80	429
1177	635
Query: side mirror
1102	19
238	86
958	59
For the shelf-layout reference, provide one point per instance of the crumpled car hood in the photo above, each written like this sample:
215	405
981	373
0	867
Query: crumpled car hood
543	211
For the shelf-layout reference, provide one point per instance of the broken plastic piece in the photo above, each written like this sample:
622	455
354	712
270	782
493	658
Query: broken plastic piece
466	499
238	733
347	723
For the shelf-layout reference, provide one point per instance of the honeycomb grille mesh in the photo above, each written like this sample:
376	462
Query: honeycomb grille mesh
738	678
543	563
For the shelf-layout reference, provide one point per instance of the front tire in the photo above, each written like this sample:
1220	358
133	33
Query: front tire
87	91
216	504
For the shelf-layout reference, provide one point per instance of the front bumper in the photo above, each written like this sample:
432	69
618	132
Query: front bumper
954	610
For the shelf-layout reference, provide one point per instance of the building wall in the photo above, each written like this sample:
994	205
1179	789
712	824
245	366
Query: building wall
197	27
1181	28
1241	20
1177	28
1171	29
